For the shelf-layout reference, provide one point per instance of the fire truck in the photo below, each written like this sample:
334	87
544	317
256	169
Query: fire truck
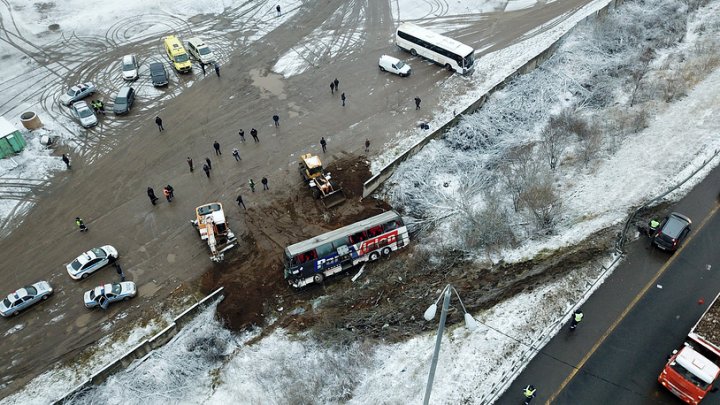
692	369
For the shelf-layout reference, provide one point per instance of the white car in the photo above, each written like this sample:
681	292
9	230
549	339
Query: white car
390	64
77	92
200	51
129	67
85	114
25	297
104	295
91	261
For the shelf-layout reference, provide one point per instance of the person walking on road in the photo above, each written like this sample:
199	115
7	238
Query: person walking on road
332	87
158	122
323	143
252	185
208	162
189	162
80	224
206	169
216	145
254	134
577	318
417	103
151	195
242	135
240	201
276	119
217	69
236	154
202	66
529	393
277	8
66	159
336	82
264	182
119	271
367	145
342	97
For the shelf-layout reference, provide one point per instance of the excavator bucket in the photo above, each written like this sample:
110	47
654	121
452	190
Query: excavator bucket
334	198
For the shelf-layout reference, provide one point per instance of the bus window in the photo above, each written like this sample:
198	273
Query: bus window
340	242
390	226
325	250
304	257
375	231
358	237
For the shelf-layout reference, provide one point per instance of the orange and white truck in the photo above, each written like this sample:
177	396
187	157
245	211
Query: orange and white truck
692	369
214	230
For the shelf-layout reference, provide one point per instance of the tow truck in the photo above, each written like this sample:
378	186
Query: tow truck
210	222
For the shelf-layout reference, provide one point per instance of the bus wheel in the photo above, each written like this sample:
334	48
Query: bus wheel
374	256
318	278
413	52
448	67
386	251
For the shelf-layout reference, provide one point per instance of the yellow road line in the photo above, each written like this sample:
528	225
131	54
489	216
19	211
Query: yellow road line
629	308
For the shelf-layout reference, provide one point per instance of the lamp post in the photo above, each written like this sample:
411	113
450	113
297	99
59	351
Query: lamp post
429	315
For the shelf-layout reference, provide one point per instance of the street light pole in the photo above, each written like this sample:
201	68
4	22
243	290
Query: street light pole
438	340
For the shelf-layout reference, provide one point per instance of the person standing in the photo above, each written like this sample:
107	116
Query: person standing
236	154
66	159
342	97
158	122
336	82
171	190
208	162
216	145
323	143
529	393
206	169
217	69
278	10
119	271
276	118
80	224
653	226
202	66
242	135
417	103
264	182
240	201
577	318
367	145
151	195
166	193
252	185
332	87
189	162
254	134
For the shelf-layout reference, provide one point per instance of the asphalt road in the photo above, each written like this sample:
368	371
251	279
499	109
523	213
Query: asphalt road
635	320
158	249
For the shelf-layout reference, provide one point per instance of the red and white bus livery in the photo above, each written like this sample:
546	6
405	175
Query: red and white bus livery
312	260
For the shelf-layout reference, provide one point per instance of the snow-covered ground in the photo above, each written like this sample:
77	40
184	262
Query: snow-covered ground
216	367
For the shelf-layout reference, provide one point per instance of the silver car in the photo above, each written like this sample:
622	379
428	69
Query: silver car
104	295
91	261
25	297
85	114
77	92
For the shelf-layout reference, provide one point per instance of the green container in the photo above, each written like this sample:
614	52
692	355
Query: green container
16	141
11	140
5	148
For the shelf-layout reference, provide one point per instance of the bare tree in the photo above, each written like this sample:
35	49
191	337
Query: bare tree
517	170
541	201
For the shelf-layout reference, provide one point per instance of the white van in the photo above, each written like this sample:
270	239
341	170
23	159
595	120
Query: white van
129	67
200	51
394	65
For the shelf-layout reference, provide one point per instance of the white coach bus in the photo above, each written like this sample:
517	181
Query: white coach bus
453	55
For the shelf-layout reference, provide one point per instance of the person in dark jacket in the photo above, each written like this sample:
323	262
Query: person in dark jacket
209	163
151	195
66	160
190	163
158	122
254	134
323	143
206	169
216	145
264	182
80	224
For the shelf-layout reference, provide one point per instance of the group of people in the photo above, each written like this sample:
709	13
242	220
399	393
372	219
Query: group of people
168	192
98	106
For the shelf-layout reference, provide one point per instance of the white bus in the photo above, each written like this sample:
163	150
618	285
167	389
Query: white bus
451	54
335	251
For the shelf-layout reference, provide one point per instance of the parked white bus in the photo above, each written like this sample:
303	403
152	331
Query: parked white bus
451	54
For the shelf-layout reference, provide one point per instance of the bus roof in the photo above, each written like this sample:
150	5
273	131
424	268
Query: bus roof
304	246
433	37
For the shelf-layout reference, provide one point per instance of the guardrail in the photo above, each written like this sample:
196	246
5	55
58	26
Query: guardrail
144	348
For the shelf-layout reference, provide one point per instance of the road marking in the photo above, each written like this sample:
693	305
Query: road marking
629	308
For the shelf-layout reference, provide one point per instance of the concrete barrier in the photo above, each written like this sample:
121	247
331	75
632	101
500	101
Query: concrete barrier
144	348
386	172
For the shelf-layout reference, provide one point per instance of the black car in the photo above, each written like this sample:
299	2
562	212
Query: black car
124	100
672	231
158	74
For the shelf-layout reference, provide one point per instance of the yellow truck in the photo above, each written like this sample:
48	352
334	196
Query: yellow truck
177	54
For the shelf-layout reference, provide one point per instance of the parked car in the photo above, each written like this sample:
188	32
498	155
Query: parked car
91	261
85	114
25	297
77	92
200	51
104	295
129	67
158	74
394	65
671	232
124	100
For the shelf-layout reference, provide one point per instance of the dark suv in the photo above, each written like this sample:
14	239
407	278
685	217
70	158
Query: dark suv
672	231
158	74
124	100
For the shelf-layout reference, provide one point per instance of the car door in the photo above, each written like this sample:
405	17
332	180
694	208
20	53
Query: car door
131	98
93	265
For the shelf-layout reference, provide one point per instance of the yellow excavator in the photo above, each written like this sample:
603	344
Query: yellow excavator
311	169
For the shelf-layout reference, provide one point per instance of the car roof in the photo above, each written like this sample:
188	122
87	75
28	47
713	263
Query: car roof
197	42
86	257
80	104
20	293
128	58
123	92
674	225
390	58
156	64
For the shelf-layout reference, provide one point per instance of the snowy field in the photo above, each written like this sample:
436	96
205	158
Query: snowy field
207	364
